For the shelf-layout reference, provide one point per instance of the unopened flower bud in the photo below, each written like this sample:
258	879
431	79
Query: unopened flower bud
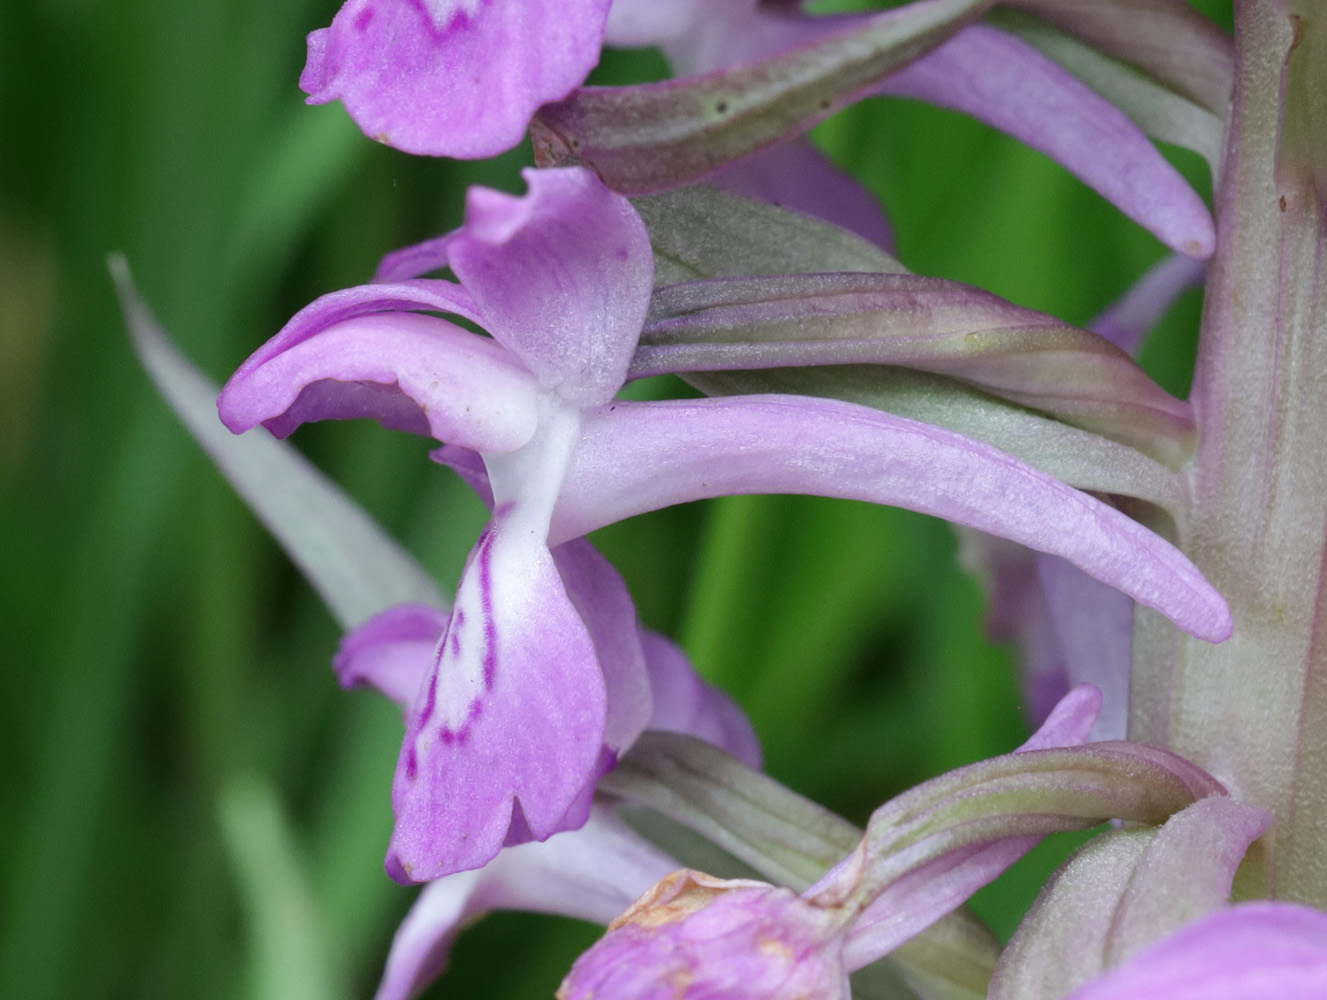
694	937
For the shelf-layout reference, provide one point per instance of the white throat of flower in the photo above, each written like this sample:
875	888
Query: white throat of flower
526	484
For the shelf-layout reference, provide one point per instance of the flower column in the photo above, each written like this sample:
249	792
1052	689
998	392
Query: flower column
1254	710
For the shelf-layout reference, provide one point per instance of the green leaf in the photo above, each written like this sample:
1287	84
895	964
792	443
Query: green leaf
355	566
289	957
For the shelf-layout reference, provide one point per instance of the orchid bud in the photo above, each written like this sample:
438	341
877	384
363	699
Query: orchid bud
693	936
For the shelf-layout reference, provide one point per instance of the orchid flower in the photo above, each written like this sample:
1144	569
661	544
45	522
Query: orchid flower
591	873
534	692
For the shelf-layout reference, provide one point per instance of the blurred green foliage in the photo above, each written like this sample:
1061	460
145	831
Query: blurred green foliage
190	805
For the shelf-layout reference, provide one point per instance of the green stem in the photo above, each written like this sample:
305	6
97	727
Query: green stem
1253	710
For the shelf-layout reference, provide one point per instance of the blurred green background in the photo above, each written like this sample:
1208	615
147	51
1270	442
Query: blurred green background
189	806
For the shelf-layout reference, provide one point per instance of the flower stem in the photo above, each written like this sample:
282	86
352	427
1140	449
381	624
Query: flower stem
1253	710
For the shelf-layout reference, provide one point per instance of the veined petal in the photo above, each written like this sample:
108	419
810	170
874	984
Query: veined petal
681	701
593	874
407	371
916	322
452	77
635	457
1256	951
392	651
562	277
507	732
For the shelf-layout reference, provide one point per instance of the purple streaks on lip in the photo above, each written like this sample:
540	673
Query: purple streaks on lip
490	628
452	639
454	632
430	699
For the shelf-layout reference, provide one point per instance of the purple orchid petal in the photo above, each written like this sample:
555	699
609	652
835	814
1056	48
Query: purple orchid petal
407	371
1093	626
601	598
1005	82
392	651
452	77
634	23
507	733
402	296
562	276
1069	628
1016	612
1256	951
1069	723
693	935
921	897
635	457
1126	322
593	874
927	850
684	703
418	259
797	176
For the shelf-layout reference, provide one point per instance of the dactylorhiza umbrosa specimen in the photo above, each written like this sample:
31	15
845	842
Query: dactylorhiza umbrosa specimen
561	281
